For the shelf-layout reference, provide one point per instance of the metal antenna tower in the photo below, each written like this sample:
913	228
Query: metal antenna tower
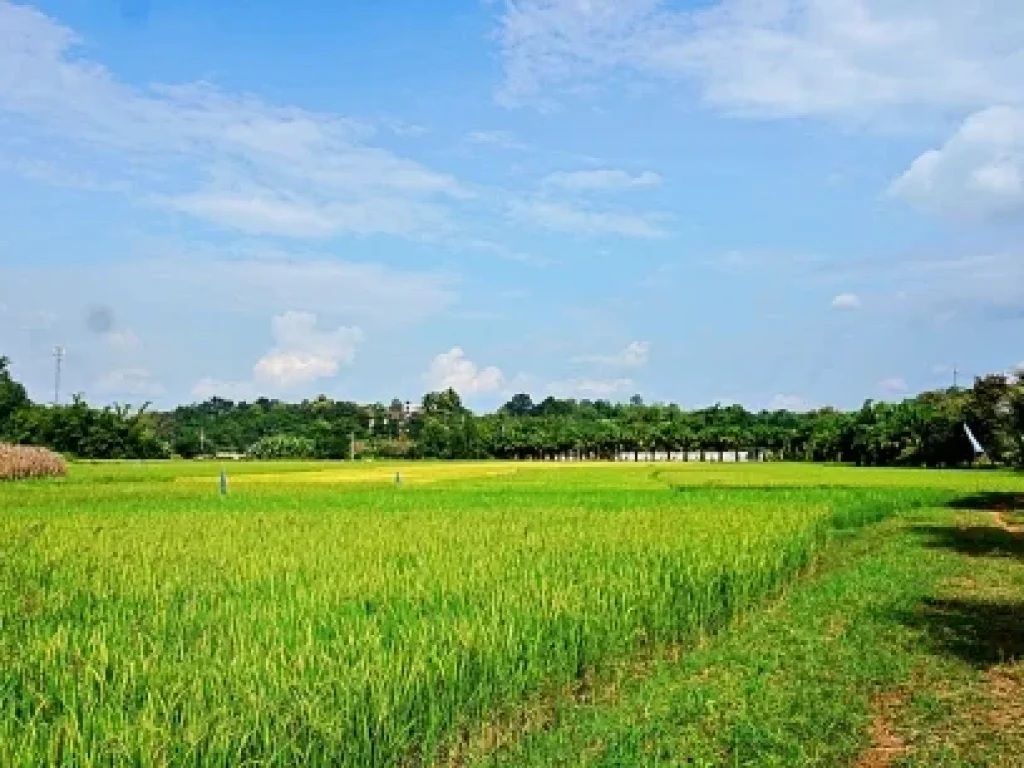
58	357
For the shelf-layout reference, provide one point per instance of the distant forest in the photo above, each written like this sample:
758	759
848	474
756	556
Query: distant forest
927	430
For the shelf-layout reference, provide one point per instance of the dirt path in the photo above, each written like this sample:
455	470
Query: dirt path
886	745
1004	522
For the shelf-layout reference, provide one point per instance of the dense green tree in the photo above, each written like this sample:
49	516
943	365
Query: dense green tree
12	396
927	430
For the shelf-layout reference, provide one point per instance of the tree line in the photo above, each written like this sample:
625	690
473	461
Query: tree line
925	431
77	429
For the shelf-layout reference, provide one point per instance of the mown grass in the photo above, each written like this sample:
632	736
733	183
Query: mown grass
146	620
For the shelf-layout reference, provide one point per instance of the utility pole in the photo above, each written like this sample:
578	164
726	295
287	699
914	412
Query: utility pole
352	446
956	371
58	356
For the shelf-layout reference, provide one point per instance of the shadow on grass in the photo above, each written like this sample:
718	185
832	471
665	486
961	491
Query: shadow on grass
996	501
974	540
981	632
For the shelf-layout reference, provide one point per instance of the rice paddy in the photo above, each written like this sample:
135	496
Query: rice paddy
322	614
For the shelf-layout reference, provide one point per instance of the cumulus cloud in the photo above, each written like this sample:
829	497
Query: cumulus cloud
977	174
781	58
846	301
453	370
305	353
206	152
302	354
601	180
137	382
636	354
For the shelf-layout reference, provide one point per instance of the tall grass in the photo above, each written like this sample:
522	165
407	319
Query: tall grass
19	462
155	623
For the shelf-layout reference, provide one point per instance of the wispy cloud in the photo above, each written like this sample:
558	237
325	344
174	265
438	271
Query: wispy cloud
499	139
575	219
123	339
782	58
601	180
893	386
174	277
846	301
132	382
636	354
203	151
590	388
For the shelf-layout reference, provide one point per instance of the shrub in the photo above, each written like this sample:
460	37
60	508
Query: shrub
18	462
282	447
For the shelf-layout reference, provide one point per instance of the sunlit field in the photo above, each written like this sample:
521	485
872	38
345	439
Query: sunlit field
366	614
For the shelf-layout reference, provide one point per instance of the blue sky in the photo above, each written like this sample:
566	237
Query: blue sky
772	202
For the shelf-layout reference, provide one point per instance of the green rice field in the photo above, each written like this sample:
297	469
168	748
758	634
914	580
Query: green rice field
323	614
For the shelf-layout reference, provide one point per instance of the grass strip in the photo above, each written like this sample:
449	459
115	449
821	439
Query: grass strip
904	651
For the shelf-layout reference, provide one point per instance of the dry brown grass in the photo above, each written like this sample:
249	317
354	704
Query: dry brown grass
19	462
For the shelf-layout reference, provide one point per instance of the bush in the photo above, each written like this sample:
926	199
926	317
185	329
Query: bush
18	462
282	447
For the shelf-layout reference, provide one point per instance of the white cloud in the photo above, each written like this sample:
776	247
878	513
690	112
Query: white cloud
500	139
893	386
775	57
202	151
453	370
590	388
261	212
190	276
636	354
287	369
509	254
794	403
846	301
978	173
269	280
601	180
137	382
985	285
302	353
305	353
562	217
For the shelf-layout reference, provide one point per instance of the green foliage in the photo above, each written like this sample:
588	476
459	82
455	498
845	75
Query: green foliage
117	432
282	447
296	623
808	682
925	431
12	397
223	425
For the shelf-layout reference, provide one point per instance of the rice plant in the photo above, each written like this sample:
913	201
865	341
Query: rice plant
147	620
